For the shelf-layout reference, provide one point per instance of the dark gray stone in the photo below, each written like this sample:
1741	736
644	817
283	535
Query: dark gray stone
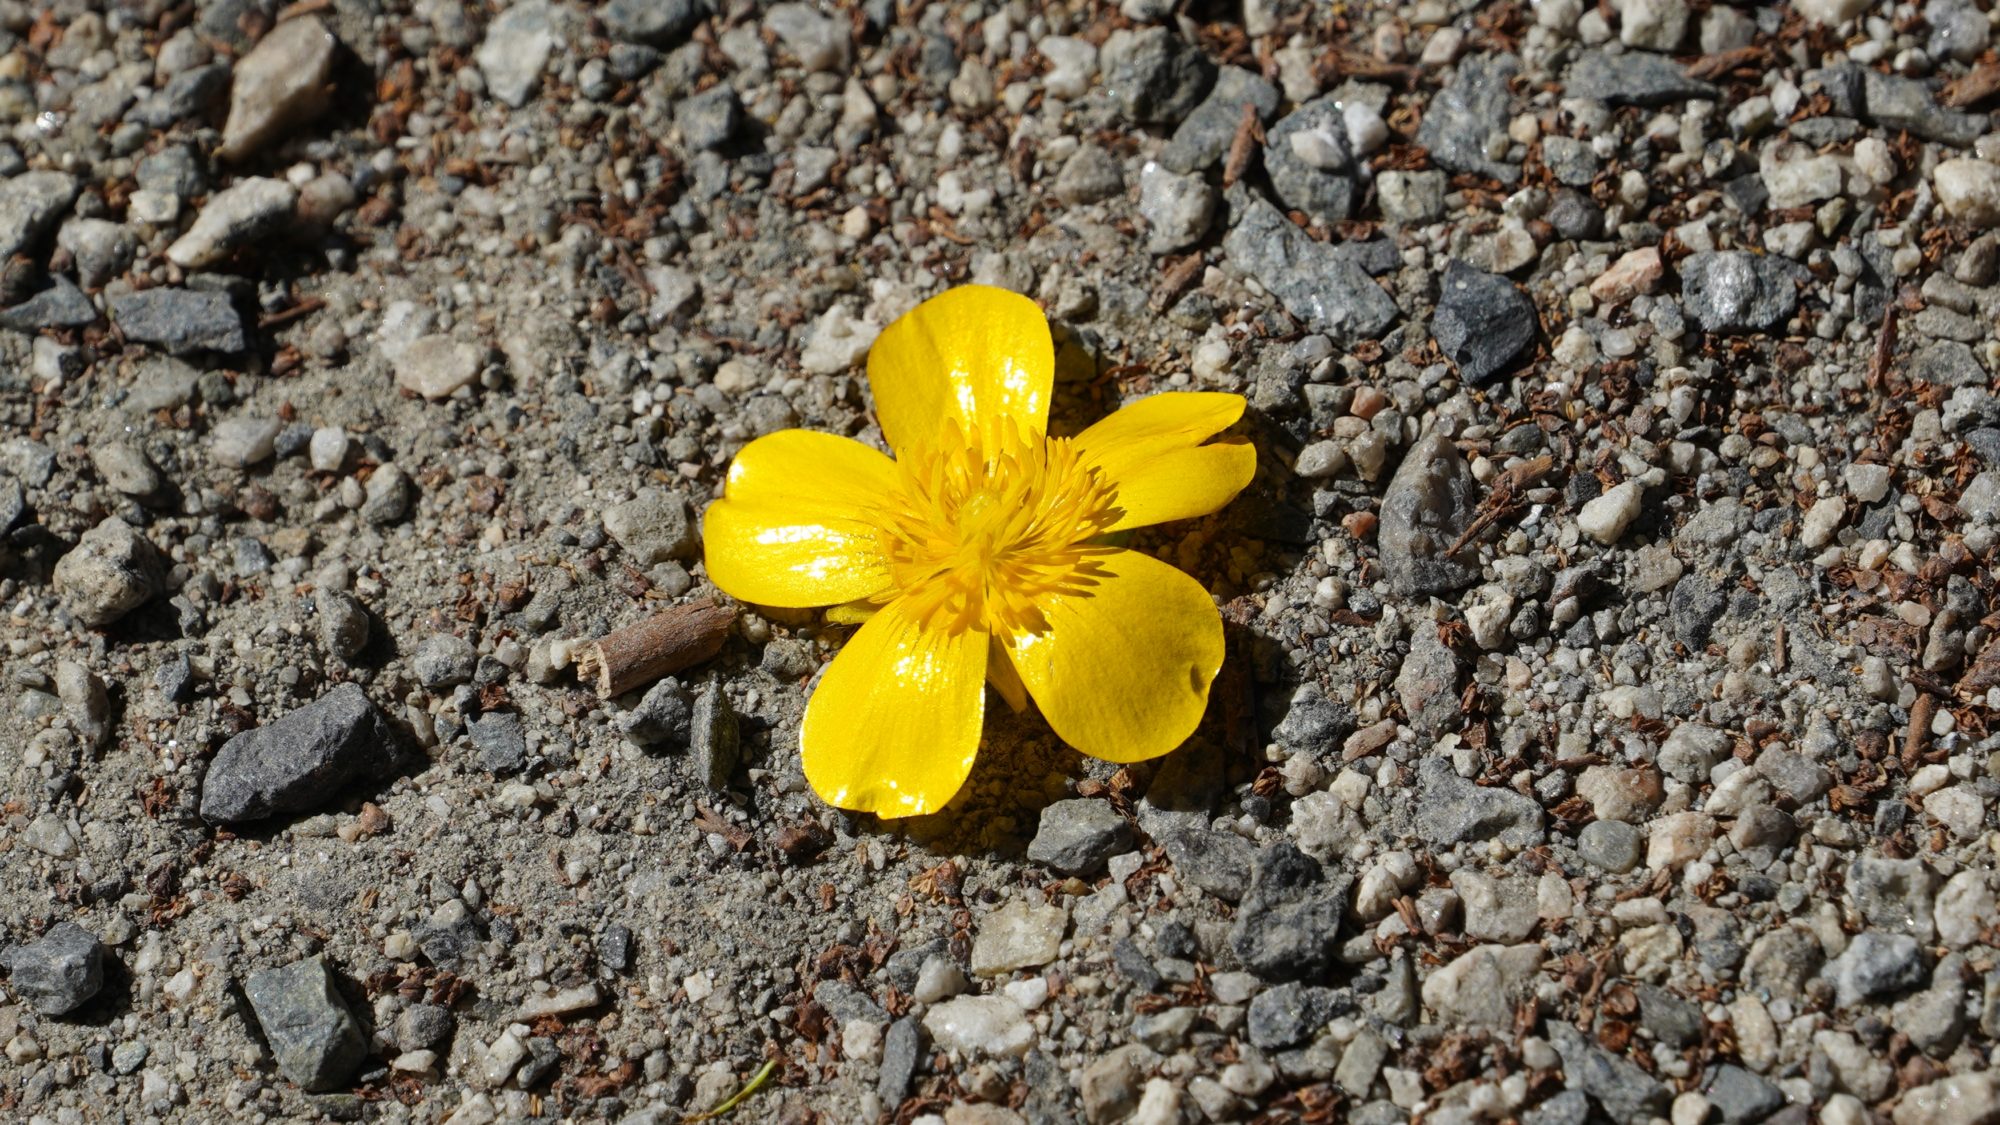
662	718
1429	503
1157	77
61	305
1076	836
1288	925
1326	193
1695	605
1742	1097
1452	810
1313	723
902	1050
302	760
543	1058
1574	216
444	659
845	1002
614	948
1216	862
185	94
1291	1013
1897	104
180	320
1204	137
423	1026
313	1036
502	740
60	972
1314	282
1736	291
1475	105
1567	1107
1632	78
1611	844
451	935
30	205
1571	161
655	23
1947	363
1627	1093
1672	1020
1483	322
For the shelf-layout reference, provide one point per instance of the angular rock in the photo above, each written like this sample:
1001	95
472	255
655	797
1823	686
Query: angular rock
707	120
517	47
714	738
1899	104
111	572
655	23
1017	936
1475	105
1452	810
1875	964
1427	684
30	204
314	1038
1157	77
980	1026
1204	136
653	527
1483	322
180	320
1742	1097
502	741
1632	78
242	213
1429	503
1626	1092
1314	282
1287	927
1307	156
61	305
435	366
59	973
1482	985
1178	209
1735	291
1292	1013
1217	862
279	86
302	760
1076	836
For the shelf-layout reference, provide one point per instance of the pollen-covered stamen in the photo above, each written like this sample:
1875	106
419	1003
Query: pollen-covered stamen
982	526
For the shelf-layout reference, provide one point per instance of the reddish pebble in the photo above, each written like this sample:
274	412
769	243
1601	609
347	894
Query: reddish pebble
1359	524
1368	402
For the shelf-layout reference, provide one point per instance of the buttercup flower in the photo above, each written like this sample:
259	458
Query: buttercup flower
982	552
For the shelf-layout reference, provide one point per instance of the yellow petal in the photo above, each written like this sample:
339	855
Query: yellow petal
970	354
1005	680
894	723
1152	453
1122	673
791	528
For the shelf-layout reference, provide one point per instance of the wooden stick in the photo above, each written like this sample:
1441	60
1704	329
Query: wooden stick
660	645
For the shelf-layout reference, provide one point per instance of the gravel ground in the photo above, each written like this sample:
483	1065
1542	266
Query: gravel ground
1605	732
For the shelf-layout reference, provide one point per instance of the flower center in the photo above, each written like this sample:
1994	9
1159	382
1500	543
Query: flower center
981	526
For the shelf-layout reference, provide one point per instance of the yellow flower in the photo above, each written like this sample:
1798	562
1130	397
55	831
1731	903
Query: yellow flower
981	552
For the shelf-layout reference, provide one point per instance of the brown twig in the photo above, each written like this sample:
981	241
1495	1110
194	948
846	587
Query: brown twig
1249	134
1505	497
660	645
1722	62
1175	281
1885	349
1982	83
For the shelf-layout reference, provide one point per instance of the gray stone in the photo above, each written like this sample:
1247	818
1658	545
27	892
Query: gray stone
436	365
1287	927
818	41
1894	894
451	935
30	204
1178	209
1312	169
186	94
180	320
1691	751
1611	844
1429	503
1695	604
1672	1020
1452	810
1904	104
502	741
662	718
278	87
344	625
1947	363
1876	964
1204	137
313	1036
517	47
302	760
902	1053
1571	161
1483	322
1472	107
1567	1107
1157	77
1315	283
1292	1013
615	947
100	249
1626	1092
1735	291
248	210
58	973
1313	723
1632	78
421	1027
442	660
653	527
1090	175
707	120
655	23
110	572
1742	1097
1076	836
389	495
1216	862
1427	683
125	468
1413	198
715	738
61	305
